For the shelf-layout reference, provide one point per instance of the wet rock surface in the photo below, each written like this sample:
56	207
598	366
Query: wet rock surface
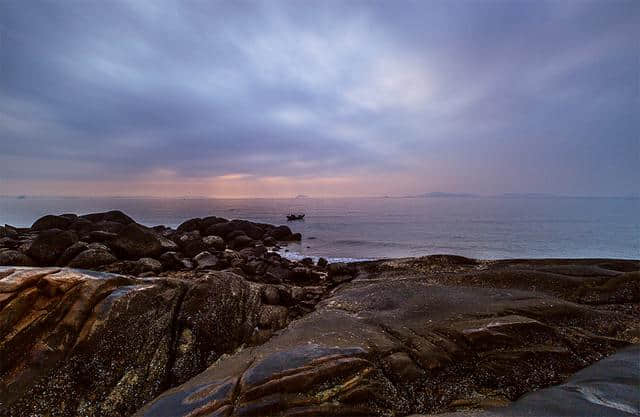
77	342
399	339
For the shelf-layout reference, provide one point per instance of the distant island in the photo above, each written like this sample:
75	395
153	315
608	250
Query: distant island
439	194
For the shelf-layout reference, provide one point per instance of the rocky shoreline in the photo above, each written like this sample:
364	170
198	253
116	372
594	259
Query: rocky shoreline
101	316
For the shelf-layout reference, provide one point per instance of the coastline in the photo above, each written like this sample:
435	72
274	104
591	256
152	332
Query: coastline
223	325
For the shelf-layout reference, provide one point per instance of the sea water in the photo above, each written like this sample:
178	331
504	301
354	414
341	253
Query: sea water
371	228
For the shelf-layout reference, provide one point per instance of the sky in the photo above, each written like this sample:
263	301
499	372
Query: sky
323	98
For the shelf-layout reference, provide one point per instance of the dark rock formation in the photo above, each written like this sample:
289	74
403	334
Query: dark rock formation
136	241
92	258
111	216
16	258
52	222
50	245
609	388
95	344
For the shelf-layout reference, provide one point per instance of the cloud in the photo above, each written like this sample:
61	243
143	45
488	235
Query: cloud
469	96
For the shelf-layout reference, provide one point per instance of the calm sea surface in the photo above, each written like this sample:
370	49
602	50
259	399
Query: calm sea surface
368	228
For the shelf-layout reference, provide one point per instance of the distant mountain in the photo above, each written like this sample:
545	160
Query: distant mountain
302	196
438	194
528	195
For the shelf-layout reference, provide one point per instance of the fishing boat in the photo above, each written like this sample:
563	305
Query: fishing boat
293	217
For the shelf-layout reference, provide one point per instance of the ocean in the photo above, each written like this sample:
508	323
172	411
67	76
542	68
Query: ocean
371	228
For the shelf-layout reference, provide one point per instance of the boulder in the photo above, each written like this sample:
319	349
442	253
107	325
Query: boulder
71	252
167	244
15	258
109	226
136	241
83	226
241	241
171	260
219	229
102	236
322	263
213	242
250	229
211	220
50	245
190	225
149	265
280	233
205	260
92	258
269	241
52	222
113	216
191	243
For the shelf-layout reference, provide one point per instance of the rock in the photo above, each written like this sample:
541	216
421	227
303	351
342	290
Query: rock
307	262
50	245
149	265
219	229
52	222
102	236
167	244
393	343
235	233
190	225
108	226
136	241
112	216
273	317
92	258
322	263
250	229
7	242
71	252
15	258
340	272
82	226
71	216
241	241
96	245
280	233
401	367
270	295
211	220
269	241
205	260
191	243
171	260
10	232
213	242
103	345
187	264
296	237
